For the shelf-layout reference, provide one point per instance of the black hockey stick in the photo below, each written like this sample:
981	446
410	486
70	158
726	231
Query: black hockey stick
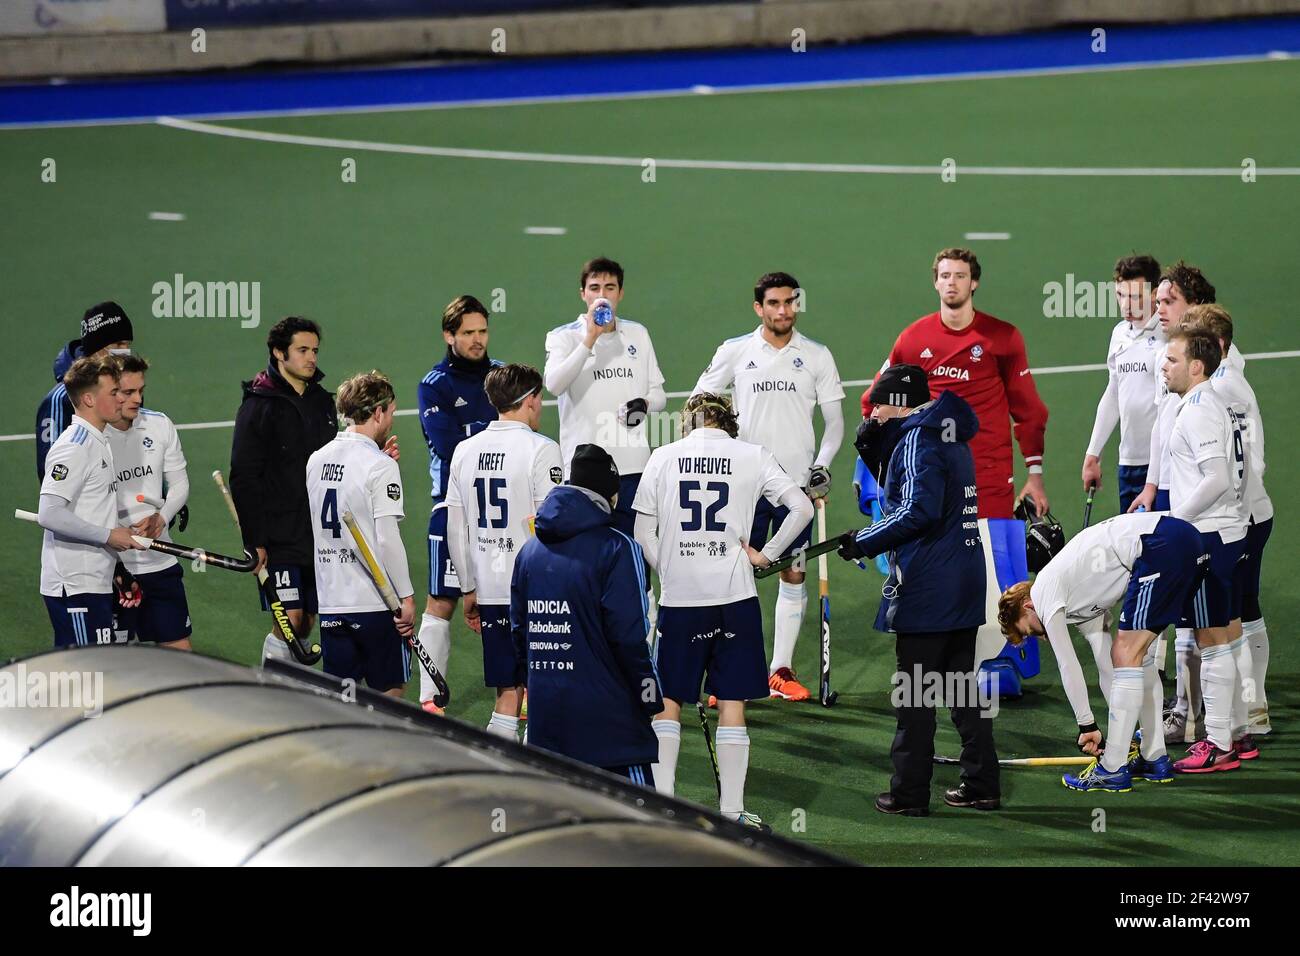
708	740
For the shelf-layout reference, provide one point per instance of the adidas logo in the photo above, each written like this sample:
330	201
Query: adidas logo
907	378
751	364
460	402
927	354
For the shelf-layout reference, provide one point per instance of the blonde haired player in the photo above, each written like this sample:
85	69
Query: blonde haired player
498	478
695	510
360	637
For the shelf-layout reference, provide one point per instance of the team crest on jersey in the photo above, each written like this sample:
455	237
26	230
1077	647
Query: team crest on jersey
975	352
59	472
557	475
395	491
147	442
798	362
631	350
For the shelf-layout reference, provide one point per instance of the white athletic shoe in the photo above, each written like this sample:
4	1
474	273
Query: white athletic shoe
752	820
1176	729
1258	723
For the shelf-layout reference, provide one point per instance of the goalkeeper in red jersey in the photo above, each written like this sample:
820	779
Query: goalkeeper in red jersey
983	360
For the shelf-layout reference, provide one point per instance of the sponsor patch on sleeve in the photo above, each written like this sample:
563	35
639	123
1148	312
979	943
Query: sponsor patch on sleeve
557	475
59	472
395	491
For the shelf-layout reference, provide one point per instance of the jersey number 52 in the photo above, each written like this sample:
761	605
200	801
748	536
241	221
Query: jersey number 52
701	517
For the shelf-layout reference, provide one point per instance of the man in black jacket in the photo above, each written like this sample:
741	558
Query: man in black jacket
285	416
933	599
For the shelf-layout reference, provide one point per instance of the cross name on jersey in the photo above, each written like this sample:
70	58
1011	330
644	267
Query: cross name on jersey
331	471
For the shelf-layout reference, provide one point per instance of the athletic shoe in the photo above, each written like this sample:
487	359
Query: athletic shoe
523	706
1205	757
1176	728
783	685
429	707
961	796
1246	748
1160	770
753	821
1096	777
886	803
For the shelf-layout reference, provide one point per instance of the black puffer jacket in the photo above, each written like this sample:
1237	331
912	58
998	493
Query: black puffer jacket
276	431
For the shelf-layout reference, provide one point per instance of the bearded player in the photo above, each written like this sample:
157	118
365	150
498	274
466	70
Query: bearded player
983	360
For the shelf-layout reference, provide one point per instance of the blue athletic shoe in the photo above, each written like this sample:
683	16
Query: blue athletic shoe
1094	777
1160	770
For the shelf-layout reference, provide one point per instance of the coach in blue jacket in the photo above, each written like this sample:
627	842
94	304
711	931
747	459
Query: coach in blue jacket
933	599
578	615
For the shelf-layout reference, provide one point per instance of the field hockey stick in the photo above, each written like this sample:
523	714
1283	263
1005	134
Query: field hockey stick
1029	761
708	740
389	596
246	563
301	653
799	557
1087	505
826	696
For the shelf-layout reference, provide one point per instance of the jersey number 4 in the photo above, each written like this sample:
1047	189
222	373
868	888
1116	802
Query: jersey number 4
329	513
490	492
701	517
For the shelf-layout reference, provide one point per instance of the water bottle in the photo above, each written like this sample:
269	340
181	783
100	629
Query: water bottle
602	313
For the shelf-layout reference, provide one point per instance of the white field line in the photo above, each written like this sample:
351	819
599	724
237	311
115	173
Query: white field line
694	90
584	159
852	383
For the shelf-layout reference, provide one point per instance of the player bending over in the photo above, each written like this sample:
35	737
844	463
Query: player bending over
498	480
152	488
695	509
779	376
1153	562
360	638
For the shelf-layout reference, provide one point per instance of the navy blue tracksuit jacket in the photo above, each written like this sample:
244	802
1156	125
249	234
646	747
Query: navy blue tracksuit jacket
930	526
578	617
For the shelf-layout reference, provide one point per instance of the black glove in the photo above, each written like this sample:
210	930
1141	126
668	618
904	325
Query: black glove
849	549
182	516
819	481
126	587
633	413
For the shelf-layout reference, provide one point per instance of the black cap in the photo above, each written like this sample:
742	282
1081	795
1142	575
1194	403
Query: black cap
592	468
102	325
903	385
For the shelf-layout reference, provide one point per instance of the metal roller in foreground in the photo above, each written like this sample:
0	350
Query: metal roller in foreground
140	756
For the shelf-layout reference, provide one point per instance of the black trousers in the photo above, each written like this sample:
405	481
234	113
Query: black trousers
932	664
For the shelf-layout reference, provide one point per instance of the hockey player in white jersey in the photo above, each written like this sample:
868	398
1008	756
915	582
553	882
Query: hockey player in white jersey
78	510
1251	648
498	478
361	639
1207	484
607	380
1131	387
152	487
695	512
1154	563
779	377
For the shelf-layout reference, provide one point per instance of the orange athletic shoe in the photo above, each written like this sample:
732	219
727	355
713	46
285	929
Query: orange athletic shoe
429	707
784	686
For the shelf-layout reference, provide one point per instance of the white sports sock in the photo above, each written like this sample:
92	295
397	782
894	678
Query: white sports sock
1125	706
1099	639
273	645
653	616
435	638
1151	719
791	602
669	733
1218	678
1161	648
503	725
1243	691
1257	634
1187	657
733	764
